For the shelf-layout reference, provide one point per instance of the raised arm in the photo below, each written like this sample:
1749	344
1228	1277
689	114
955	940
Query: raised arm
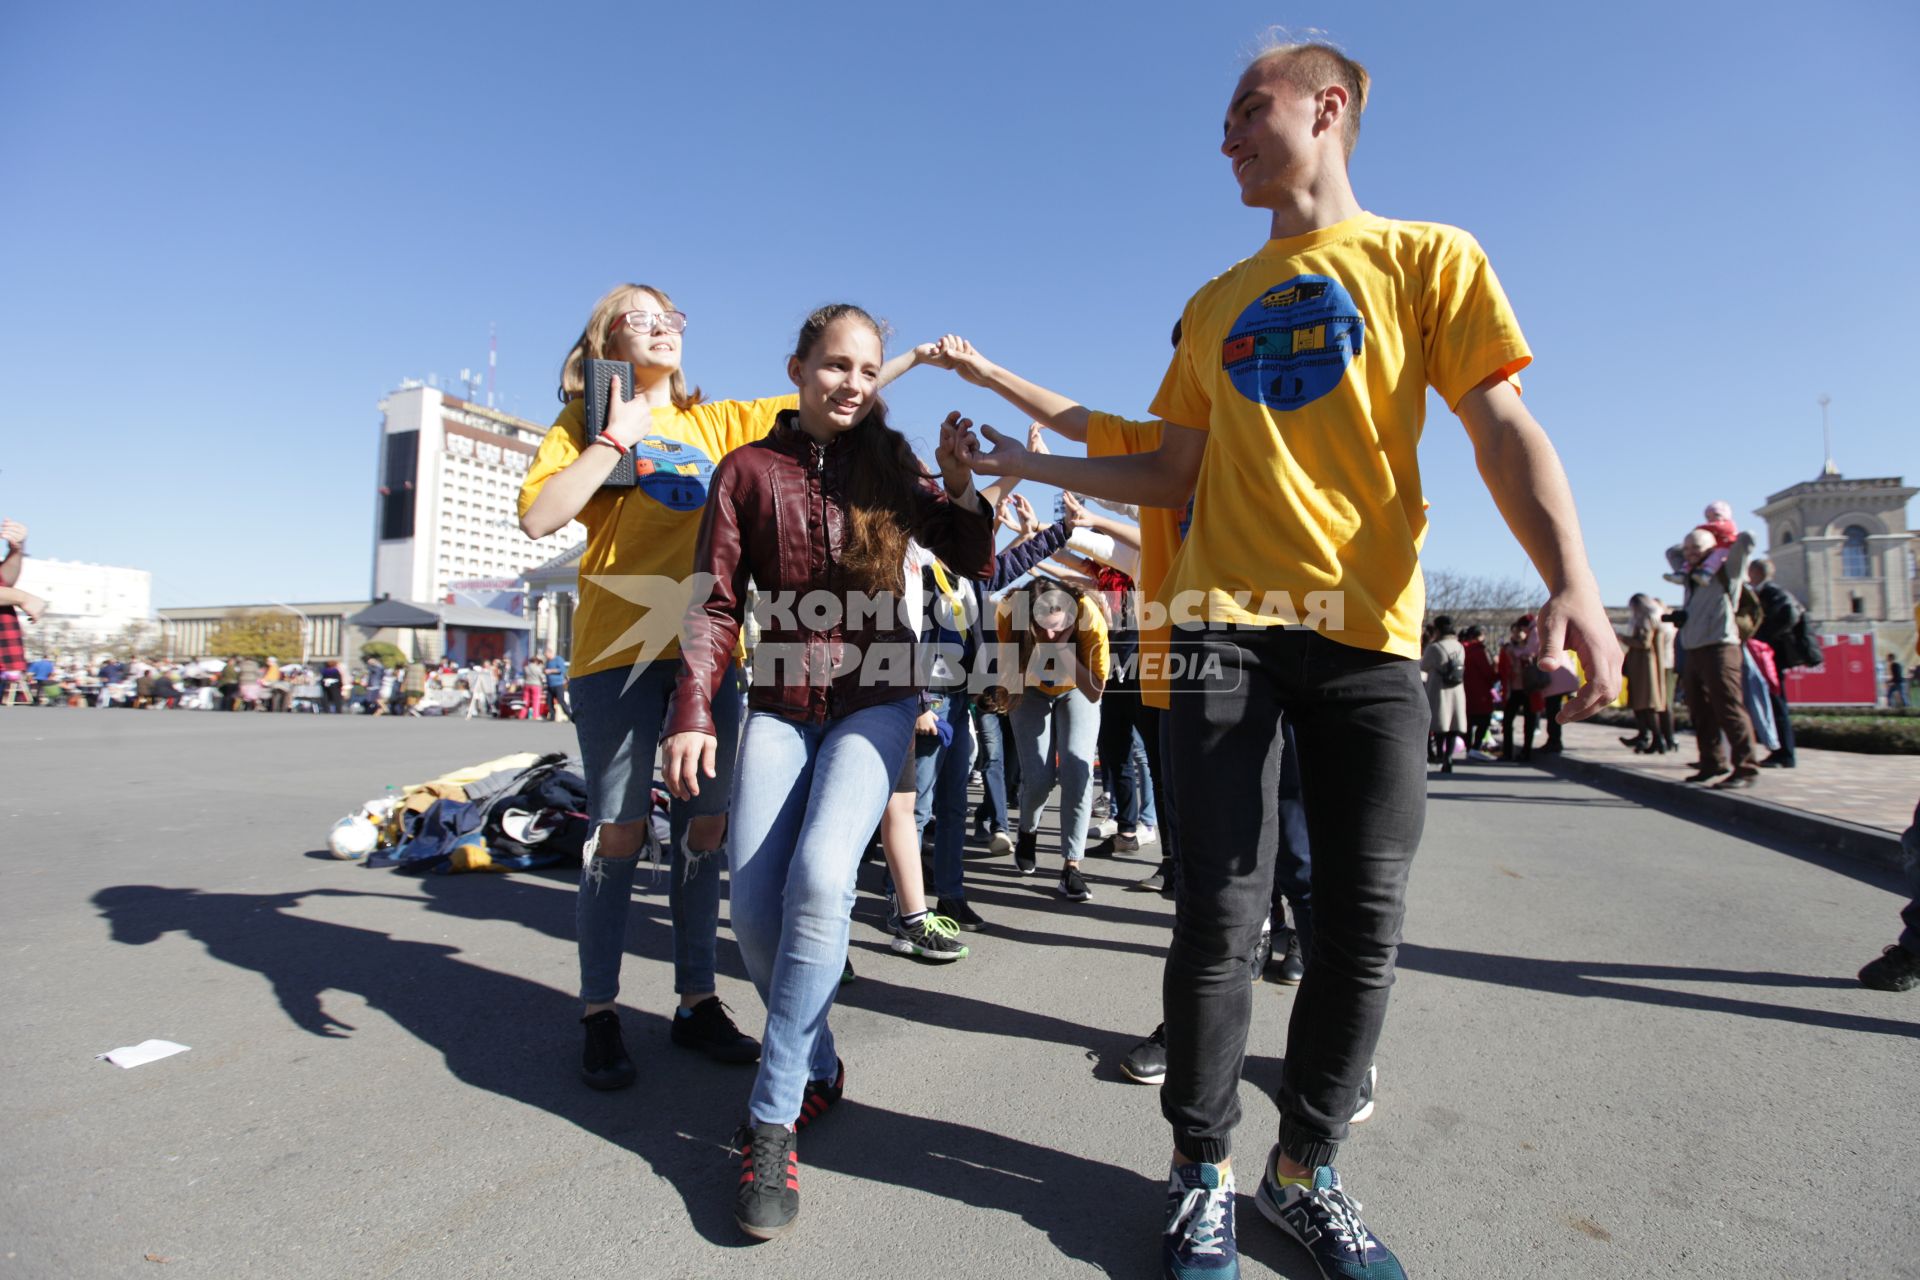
1063	414
1162	478
1528	484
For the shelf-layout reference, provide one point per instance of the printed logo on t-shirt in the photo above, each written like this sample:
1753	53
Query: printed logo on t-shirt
1293	345
672	472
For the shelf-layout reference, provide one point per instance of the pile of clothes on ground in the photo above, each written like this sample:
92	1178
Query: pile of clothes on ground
512	814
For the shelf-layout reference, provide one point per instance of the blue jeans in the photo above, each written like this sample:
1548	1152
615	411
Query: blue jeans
807	796
993	764
1066	724
619	731
941	780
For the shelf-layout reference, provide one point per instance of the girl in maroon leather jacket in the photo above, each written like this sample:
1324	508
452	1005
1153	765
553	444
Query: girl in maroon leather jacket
817	515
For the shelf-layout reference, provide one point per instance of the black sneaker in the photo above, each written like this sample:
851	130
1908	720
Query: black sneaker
957	910
1363	1108
1291	966
1198	1242
1073	885
821	1095
1325	1221
1262	951
1897	969
709	1029
768	1198
846	973
931	937
1151	884
604	1063
1025	855
1146	1062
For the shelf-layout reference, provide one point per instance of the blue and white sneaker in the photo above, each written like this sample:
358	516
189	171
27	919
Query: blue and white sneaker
1198	1243
1326	1223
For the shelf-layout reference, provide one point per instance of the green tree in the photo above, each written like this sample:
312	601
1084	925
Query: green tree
258	633
389	655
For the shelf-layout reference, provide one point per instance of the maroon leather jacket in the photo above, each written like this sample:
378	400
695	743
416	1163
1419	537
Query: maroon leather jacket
776	514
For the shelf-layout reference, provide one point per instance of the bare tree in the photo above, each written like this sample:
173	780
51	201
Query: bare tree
1481	599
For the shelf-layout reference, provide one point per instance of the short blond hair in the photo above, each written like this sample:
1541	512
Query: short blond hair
592	344
1310	66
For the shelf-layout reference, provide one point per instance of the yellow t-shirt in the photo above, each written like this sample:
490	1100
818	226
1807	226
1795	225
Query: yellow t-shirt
1308	366
1107	436
640	541
1089	640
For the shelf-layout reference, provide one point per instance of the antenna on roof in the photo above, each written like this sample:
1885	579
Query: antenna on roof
493	359
1826	431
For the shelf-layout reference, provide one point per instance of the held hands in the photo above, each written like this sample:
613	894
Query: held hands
1078	517
1029	522
1575	620
956	442
1037	439
956	353
688	756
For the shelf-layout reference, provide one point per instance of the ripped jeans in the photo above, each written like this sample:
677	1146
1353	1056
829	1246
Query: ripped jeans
619	730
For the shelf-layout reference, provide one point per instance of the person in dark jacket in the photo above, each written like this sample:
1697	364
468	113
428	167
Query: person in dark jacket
1779	611
817	515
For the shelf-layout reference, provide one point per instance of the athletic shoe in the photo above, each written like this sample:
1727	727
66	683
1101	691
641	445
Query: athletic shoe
1147	835
1153	883
1100	848
1262	950
1292	964
604	1063
1363	1109
1146	1062
820	1095
1897	969
709	1029
1198	1241
957	910
1325	1222
1126	842
931	937
1101	828
1001	843
1026	854
1073	885
846	973
767	1199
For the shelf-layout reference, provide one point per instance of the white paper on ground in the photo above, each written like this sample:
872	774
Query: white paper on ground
140	1054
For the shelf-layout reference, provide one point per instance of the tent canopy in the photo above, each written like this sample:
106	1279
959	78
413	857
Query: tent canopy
406	614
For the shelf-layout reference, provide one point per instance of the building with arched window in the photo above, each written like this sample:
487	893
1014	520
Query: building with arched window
1843	547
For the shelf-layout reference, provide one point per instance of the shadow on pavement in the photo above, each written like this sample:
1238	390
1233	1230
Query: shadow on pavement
1603	980
495	1032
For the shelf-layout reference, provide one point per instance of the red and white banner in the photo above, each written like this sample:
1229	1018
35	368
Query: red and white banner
1845	679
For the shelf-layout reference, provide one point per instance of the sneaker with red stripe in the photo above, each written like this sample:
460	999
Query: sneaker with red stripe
767	1199
822	1094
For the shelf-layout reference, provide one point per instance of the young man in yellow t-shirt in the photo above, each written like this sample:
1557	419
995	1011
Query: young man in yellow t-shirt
1292	413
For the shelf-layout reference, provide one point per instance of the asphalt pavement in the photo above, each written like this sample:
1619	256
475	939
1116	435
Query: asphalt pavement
1623	1044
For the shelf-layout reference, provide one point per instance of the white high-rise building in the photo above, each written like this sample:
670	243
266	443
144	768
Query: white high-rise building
91	601
449	474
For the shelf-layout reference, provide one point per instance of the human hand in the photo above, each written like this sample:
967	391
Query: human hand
956	353
1575	619
956	443
928	723
1078	517
1023	511
31	605
1037	439
627	420
1006	458
15	532
688	755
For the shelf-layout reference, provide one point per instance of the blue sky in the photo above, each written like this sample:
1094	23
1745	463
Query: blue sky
230	229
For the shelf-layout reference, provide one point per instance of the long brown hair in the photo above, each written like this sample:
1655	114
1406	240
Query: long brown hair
882	473
592	344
